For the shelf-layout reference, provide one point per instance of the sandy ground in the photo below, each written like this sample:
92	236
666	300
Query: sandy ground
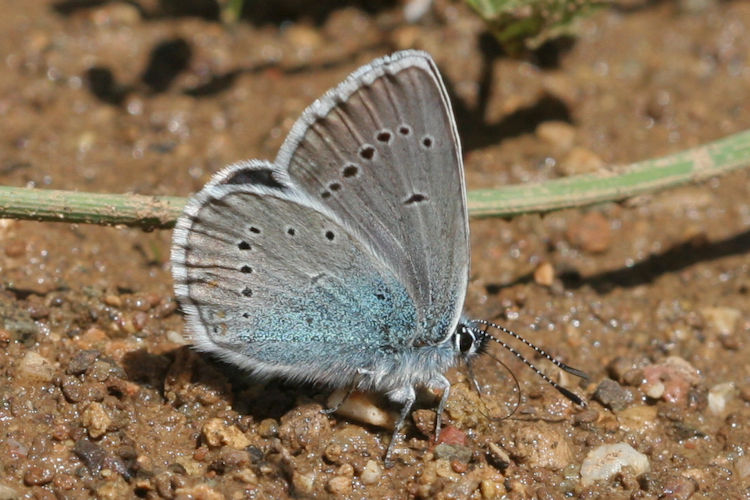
100	396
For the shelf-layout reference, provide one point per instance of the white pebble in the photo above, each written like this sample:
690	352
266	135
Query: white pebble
719	395
37	367
370	473
723	319
604	462
360	406
176	338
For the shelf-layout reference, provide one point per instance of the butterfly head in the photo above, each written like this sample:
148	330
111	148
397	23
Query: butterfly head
468	342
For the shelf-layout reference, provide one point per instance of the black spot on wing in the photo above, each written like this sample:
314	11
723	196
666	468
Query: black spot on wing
384	136
367	152
415	198
350	170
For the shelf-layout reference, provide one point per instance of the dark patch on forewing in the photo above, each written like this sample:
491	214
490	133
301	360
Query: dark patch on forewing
255	176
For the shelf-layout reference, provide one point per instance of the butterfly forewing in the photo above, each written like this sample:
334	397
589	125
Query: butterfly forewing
381	152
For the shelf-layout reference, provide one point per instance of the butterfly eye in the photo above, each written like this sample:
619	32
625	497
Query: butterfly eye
464	340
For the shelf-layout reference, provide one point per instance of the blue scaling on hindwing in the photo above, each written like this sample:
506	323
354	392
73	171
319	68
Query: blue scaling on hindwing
355	316
287	286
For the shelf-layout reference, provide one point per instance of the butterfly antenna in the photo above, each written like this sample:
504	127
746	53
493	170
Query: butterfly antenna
569	369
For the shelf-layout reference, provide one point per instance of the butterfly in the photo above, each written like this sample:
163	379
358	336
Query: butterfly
345	261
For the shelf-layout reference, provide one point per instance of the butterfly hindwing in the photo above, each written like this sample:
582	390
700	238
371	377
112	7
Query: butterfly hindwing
272	282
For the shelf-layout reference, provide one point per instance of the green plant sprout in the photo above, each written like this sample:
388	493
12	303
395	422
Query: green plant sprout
527	24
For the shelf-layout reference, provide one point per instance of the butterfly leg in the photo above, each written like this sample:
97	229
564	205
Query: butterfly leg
444	384
361	373
407	396
335	408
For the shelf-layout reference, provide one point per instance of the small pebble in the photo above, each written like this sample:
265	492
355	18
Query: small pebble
95	420
670	380
499	455
37	367
604	462
371	472
91	454
339	485
678	487
176	338
232	459
216	433
491	489
81	361
587	416
620	367
460	466
165	308
246	476
453	436
38	474
361	407
453	452
721	319
613	395
303	483
424	419
351	444
720	395
544	274
345	470
304	426
113	300
268	428
444	469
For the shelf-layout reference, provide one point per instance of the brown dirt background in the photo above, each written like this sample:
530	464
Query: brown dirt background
99	397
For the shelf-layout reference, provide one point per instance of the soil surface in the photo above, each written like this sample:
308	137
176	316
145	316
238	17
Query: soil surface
100	396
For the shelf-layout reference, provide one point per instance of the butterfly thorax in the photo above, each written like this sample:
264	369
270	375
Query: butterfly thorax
414	366
421	365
